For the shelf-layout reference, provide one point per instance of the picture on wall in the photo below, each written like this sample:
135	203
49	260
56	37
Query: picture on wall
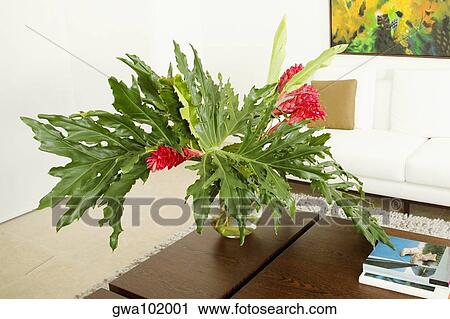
392	27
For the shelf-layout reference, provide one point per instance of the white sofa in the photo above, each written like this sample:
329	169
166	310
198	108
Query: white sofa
401	145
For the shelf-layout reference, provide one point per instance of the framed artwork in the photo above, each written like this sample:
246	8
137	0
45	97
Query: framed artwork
418	28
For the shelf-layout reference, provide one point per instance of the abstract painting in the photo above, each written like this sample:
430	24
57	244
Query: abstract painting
392	27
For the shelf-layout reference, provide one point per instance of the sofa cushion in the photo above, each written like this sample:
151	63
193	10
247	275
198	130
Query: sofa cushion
430	164
365	93
421	102
382	110
338	100
374	153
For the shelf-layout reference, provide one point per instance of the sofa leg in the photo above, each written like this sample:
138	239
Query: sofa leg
406	206
395	205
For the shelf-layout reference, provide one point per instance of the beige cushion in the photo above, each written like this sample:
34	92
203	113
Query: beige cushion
338	100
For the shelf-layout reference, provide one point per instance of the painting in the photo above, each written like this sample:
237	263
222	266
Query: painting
392	27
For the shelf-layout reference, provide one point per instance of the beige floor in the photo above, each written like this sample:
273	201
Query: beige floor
36	262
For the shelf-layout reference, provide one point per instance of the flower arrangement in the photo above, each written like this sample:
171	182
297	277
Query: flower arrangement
191	116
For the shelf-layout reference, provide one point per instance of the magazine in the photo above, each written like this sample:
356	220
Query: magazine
414	267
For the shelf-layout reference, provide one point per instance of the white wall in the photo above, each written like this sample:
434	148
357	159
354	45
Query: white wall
233	37
37	77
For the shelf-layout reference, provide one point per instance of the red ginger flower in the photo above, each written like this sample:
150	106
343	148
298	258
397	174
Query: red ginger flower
302	104
169	157
287	75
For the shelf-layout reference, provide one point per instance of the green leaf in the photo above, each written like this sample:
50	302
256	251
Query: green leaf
131	162
268	159
170	71
272	151
148	80
123	126
128	101
94	169
88	194
203	191
173	112
188	112
212	109
234	192
189	78
74	176
114	199
52	141
159	92
87	130
207	88
354	207
276	192
296	150
278	52
322	61
257	101
194	92
209	111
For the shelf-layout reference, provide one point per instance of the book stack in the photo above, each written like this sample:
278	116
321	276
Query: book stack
413	268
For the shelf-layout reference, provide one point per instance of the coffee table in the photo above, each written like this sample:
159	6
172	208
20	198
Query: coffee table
325	263
311	259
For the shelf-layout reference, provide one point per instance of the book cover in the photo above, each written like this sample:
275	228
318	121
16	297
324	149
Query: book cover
412	261
404	286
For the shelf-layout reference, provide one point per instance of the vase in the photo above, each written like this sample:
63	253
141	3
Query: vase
228	227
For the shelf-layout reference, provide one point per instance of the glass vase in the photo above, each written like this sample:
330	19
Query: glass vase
228	227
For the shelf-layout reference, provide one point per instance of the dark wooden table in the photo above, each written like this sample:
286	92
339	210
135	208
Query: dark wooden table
305	260
208	265
104	294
